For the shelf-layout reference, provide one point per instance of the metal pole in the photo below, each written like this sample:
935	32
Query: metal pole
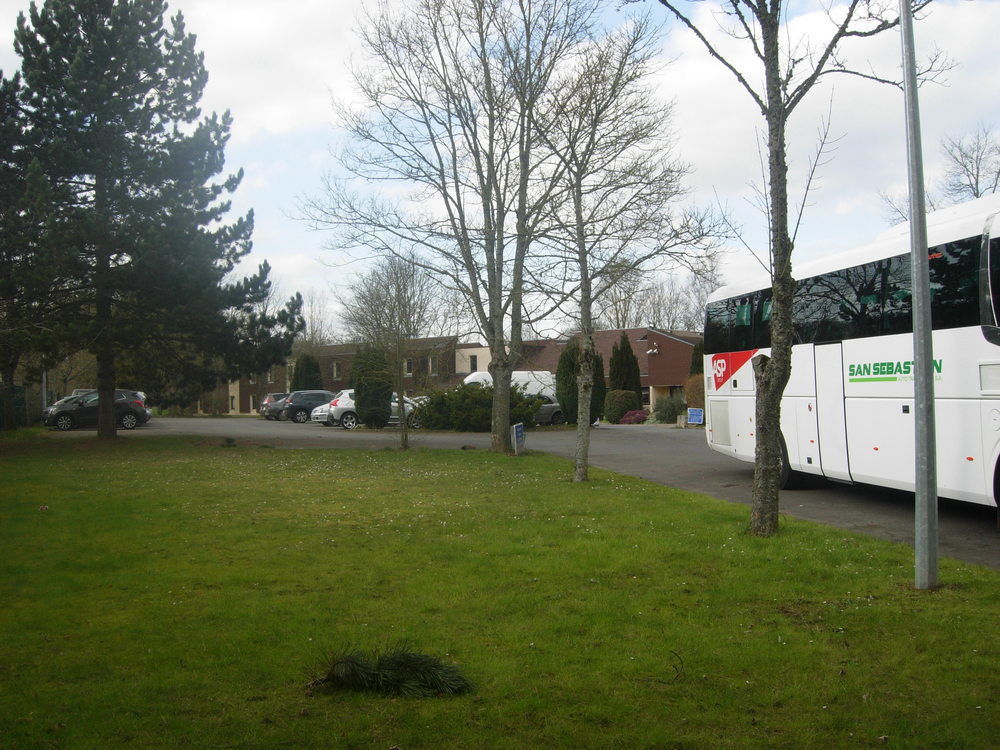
926	522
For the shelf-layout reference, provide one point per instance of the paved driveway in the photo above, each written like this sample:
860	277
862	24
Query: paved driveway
679	458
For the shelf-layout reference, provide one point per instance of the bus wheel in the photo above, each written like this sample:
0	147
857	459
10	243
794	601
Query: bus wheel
790	480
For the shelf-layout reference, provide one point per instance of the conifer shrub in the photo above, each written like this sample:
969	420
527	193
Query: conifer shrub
372	387
566	383
618	403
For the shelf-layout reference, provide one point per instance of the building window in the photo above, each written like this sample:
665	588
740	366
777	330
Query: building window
336	369
253	379
473	363
645	395
409	366
432	365
232	403
270	377
253	402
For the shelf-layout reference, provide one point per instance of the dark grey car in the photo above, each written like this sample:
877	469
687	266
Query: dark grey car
299	404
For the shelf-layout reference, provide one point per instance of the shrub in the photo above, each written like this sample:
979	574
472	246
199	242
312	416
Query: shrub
619	403
638	416
469	408
667	409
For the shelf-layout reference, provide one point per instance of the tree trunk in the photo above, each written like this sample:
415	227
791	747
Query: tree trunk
7	394
584	390
500	370
771	373
404	436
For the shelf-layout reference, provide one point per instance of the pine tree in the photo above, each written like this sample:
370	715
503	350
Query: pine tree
113	93
624	374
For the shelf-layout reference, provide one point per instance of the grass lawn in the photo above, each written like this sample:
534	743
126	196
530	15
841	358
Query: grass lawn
175	592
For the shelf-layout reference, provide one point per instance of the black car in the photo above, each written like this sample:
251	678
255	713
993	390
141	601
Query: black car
81	411
272	406
299	404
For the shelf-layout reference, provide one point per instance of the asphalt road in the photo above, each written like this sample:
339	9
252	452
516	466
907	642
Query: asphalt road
671	456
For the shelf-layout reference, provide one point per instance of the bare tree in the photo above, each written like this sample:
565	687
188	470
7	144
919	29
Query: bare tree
972	170
618	212
788	69
973	165
389	306
451	93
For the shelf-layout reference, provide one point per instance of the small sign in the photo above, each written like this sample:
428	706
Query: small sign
517	438
696	416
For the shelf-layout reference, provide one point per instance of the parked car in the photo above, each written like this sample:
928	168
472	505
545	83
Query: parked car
81	411
268	408
549	412
343	412
299	404
321	413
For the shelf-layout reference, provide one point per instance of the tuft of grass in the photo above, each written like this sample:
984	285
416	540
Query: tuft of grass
398	671
177	593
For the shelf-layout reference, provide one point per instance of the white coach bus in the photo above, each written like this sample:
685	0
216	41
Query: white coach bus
847	411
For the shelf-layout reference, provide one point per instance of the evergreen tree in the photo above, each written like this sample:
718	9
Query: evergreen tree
624	374
307	374
566	386
372	383
113	95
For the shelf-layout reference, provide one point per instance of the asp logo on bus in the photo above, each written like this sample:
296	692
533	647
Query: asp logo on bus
724	366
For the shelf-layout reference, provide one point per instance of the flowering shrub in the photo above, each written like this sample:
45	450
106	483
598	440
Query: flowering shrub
636	416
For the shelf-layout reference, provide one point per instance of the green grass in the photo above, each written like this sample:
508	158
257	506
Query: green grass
182	593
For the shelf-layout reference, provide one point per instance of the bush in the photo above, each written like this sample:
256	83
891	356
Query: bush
618	403
469	408
306	374
668	409
637	416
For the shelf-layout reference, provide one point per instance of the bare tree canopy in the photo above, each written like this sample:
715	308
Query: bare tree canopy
448	129
388	307
972	170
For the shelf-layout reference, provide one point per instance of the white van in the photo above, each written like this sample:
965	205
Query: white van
534	382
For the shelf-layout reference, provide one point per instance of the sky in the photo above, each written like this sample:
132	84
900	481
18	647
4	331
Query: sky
278	66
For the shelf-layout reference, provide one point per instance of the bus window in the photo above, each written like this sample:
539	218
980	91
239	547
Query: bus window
897	312
762	323
717	324
742	330
954	284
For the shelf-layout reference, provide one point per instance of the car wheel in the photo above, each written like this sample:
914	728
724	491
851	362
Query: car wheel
558	418
413	423
301	416
64	422
349	421
129	421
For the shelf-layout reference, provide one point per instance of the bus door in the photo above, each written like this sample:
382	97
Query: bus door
831	422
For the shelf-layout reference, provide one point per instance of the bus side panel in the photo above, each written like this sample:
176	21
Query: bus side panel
798	413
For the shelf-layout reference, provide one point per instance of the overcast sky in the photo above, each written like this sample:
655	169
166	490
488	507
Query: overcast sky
276	65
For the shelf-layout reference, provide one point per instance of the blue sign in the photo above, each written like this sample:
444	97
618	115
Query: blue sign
696	416
517	437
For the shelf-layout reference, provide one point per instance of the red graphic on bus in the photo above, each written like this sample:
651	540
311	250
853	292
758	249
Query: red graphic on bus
724	366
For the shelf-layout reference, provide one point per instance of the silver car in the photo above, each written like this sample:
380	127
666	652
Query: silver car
341	411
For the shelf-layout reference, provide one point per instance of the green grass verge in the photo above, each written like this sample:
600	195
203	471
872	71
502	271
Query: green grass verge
180	593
